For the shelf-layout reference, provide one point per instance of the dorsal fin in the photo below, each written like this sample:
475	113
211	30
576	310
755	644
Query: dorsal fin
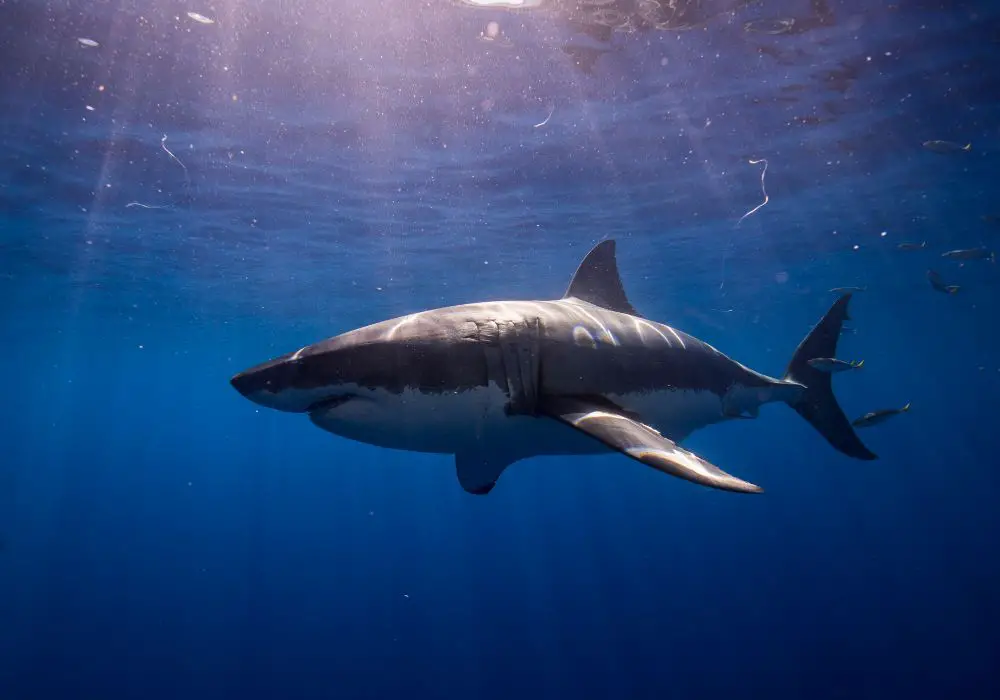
597	280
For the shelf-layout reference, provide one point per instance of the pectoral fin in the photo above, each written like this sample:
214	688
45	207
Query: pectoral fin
618	431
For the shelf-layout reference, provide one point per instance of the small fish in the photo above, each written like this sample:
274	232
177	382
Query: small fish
971	254
912	246
946	146
847	290
938	283
876	417
777	25
831	365
201	19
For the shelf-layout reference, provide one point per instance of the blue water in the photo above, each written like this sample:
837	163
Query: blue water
316	166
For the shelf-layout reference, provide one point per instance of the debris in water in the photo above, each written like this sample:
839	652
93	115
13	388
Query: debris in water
144	206
552	109
762	190
163	144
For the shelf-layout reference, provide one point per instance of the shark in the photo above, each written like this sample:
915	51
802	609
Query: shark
496	382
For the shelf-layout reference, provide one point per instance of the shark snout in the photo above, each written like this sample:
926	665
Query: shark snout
245	383
274	384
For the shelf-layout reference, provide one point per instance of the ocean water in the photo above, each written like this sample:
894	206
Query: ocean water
184	197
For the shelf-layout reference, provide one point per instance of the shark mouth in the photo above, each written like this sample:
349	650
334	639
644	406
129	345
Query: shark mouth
330	403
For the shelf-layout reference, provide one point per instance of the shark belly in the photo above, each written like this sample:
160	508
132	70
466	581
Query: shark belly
448	423
411	420
675	413
476	418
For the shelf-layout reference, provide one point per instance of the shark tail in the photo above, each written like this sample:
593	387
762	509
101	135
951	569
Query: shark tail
817	403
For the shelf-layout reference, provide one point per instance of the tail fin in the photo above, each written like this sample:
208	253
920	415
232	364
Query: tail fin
817	404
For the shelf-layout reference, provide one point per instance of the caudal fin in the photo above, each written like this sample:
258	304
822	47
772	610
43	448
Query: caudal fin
817	404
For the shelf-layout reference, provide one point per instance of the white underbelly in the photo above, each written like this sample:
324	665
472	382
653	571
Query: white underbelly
446	423
675	414
412	420
475	418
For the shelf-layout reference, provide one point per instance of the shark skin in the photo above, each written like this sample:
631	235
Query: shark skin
499	381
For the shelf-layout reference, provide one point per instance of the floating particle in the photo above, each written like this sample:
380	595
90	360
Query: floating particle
89	43
201	19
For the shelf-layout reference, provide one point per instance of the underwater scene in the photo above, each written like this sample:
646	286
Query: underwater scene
499	349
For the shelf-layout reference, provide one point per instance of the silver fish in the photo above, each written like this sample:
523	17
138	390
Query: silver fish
777	25
831	365
938	283
971	254
912	246
946	146
847	290
876	417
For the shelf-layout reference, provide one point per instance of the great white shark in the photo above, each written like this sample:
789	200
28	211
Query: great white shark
496	382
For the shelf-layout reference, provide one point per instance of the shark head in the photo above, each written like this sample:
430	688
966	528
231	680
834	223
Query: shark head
296	382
